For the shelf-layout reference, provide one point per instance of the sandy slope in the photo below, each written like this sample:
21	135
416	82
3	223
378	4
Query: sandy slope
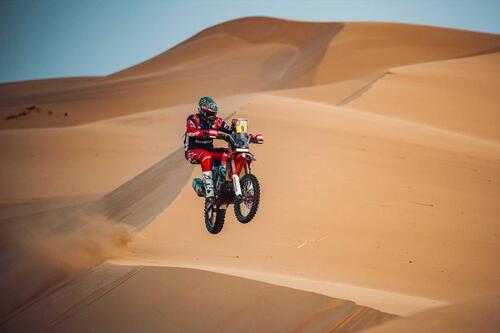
338	183
460	95
477	315
89	159
378	188
55	238
185	300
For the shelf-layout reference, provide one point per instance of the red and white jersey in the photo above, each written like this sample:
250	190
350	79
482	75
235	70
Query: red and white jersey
197	129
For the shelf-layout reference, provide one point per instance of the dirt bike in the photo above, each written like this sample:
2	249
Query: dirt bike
229	188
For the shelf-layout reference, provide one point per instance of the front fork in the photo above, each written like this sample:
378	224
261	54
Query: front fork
236	179
234	173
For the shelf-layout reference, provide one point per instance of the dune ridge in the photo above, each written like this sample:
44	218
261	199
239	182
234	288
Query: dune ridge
272	54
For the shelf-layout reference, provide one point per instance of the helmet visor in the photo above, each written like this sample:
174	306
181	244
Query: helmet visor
211	114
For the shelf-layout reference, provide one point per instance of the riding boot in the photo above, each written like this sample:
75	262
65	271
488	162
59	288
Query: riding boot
208	183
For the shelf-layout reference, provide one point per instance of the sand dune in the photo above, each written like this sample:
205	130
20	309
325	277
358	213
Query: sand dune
255	54
90	159
365	48
459	95
343	205
467	99
379	174
174	300
55	244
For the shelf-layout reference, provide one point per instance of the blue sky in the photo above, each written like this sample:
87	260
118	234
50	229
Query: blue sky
56	38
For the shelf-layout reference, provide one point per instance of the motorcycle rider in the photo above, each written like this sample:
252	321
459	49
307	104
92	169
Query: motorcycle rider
201	130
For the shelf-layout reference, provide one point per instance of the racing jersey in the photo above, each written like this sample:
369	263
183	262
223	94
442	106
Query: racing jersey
197	128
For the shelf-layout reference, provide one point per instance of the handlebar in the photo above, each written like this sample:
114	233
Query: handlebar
227	137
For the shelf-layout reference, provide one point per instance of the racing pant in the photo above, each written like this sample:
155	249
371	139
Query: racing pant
205	157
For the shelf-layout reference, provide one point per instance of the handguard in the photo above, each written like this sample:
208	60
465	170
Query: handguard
258	138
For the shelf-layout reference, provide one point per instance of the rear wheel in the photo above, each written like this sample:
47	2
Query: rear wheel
214	217
246	207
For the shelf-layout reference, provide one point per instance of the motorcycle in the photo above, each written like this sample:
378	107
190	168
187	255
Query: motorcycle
229	188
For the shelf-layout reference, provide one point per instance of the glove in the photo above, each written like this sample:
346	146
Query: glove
259	138
213	133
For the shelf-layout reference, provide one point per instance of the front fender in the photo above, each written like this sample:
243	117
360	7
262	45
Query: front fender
249	157
242	159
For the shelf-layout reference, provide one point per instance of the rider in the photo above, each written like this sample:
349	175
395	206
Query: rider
201	130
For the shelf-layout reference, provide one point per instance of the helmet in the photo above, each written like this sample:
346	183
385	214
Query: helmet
207	108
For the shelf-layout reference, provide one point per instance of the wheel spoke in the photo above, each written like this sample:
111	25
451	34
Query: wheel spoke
247	202
249	187
246	206
214	218
212	215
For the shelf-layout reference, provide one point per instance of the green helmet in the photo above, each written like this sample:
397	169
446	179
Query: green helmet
207	108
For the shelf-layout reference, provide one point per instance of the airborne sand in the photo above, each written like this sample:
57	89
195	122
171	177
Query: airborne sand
380	177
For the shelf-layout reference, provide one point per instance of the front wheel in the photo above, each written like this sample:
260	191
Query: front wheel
214	217
246	207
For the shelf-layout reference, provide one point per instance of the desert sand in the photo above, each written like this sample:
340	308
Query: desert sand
476	315
380	181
